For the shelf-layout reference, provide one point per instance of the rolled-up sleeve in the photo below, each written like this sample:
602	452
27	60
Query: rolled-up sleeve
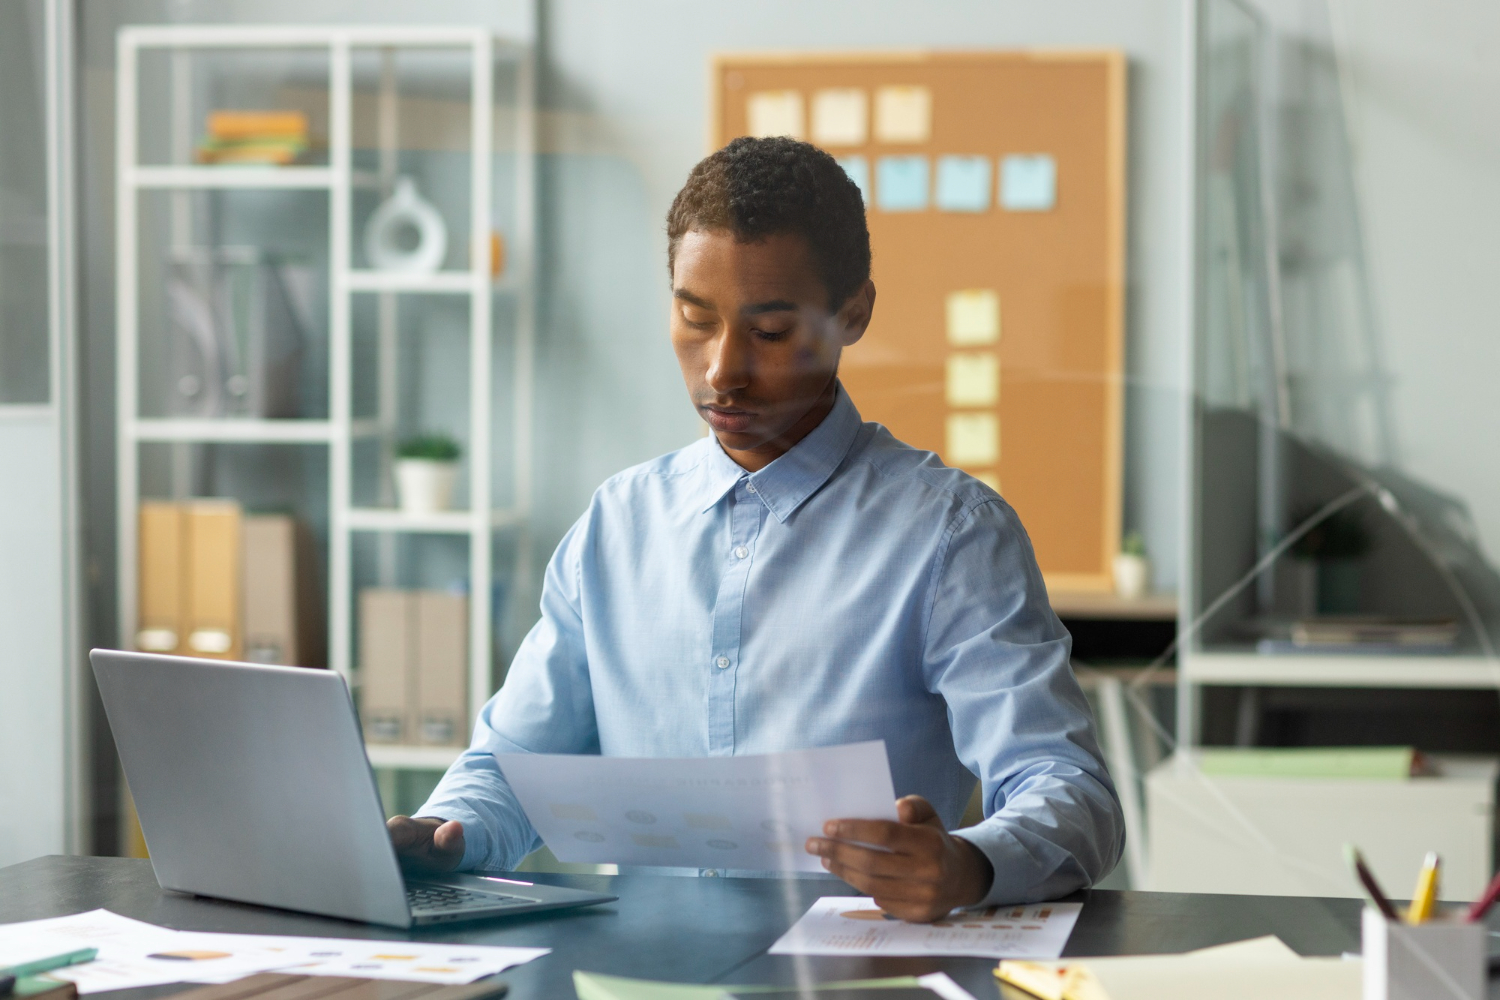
999	657
545	706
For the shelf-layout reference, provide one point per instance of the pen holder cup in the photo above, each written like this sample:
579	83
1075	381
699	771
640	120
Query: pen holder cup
1443	959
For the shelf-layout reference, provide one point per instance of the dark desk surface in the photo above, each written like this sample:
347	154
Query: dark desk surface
684	929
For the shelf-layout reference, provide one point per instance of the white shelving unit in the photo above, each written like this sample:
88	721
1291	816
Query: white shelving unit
342	429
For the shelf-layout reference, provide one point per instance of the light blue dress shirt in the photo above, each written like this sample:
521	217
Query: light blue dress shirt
854	589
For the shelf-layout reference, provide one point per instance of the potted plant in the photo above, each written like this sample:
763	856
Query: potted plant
1132	568
426	469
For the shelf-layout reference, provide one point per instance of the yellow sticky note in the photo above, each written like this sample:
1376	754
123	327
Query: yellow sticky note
988	477
903	114
775	112
973	317
973	379
973	439
840	117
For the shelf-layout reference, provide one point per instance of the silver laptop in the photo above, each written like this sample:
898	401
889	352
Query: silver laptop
252	784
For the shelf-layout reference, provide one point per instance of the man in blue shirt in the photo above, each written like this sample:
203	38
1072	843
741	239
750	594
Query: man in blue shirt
800	578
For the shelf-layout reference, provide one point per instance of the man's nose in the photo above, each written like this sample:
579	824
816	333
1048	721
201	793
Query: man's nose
729	363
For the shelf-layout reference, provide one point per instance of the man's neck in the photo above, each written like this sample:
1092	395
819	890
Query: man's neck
755	459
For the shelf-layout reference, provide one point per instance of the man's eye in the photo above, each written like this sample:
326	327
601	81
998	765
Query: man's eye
773	334
697	318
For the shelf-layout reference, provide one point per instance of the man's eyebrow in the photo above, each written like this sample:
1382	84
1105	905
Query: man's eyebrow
774	306
689	297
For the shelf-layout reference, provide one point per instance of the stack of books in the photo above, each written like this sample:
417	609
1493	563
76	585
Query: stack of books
274	138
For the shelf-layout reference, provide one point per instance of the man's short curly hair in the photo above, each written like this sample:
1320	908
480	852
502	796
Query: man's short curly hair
755	188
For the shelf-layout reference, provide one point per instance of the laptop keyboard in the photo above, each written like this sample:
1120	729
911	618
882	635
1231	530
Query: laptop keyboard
440	898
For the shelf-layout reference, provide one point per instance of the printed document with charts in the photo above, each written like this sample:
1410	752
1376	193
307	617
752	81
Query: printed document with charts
854	925
753	812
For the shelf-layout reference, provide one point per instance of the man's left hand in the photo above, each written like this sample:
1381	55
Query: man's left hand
927	873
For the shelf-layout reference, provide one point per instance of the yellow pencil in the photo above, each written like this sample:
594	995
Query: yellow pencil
1420	910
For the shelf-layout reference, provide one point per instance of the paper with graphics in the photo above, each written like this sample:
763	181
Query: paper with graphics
133	954
414	961
752	812
854	925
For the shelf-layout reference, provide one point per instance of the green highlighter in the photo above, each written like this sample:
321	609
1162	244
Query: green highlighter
17	975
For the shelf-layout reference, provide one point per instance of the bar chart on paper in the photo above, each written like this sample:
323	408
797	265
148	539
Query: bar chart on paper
854	925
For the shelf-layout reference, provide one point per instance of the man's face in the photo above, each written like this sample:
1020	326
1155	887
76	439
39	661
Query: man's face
758	347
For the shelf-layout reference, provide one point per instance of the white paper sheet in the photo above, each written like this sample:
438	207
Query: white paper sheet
854	925
752	812
133	953
415	961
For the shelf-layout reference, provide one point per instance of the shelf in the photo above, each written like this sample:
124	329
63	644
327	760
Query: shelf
1334	670
445	522
446	282
246	430
175	178
1151	607
414	758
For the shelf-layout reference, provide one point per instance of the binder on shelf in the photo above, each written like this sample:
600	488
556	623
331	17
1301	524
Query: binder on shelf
283	613
441	668
211	529
159	585
386	636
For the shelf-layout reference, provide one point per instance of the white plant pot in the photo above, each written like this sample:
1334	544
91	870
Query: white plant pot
425	486
1132	575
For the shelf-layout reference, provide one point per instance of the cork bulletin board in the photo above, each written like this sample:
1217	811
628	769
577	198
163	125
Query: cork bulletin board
995	189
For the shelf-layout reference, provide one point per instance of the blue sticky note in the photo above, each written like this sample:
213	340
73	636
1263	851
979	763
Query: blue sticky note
901	183
963	183
858	169
1028	183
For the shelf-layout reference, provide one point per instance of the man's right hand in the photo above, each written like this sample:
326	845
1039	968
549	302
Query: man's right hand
427	843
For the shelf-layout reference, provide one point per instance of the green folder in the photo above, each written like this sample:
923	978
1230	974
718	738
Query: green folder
1373	763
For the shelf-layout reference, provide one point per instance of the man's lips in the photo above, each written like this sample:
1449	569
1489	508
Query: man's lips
729	419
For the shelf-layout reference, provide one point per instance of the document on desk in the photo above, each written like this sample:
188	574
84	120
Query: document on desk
854	925
133	953
752	812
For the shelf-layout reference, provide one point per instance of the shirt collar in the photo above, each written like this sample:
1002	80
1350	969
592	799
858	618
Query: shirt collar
787	482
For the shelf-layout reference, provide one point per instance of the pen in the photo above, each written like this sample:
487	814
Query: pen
48	964
1371	887
1482	905
1420	910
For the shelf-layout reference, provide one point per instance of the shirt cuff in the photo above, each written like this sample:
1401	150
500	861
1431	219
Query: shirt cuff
477	847
1020	876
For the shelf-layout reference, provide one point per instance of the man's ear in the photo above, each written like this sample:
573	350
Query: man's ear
854	315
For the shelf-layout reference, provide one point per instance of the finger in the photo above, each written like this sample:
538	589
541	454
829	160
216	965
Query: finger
862	859
448	840
899	837
405	832
913	809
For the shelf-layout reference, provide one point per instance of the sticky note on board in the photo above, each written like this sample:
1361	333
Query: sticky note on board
775	112
973	379
1028	183
973	317
840	117
989	478
858	169
963	183
901	183
972	439
903	114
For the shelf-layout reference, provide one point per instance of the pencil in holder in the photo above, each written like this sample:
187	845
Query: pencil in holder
1442	959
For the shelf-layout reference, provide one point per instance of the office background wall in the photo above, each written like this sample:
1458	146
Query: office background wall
624	116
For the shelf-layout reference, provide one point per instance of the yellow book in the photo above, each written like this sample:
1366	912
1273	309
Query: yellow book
256	124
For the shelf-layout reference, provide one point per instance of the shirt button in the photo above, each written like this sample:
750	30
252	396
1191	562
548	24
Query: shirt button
741	552
750	488
710	872
722	662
